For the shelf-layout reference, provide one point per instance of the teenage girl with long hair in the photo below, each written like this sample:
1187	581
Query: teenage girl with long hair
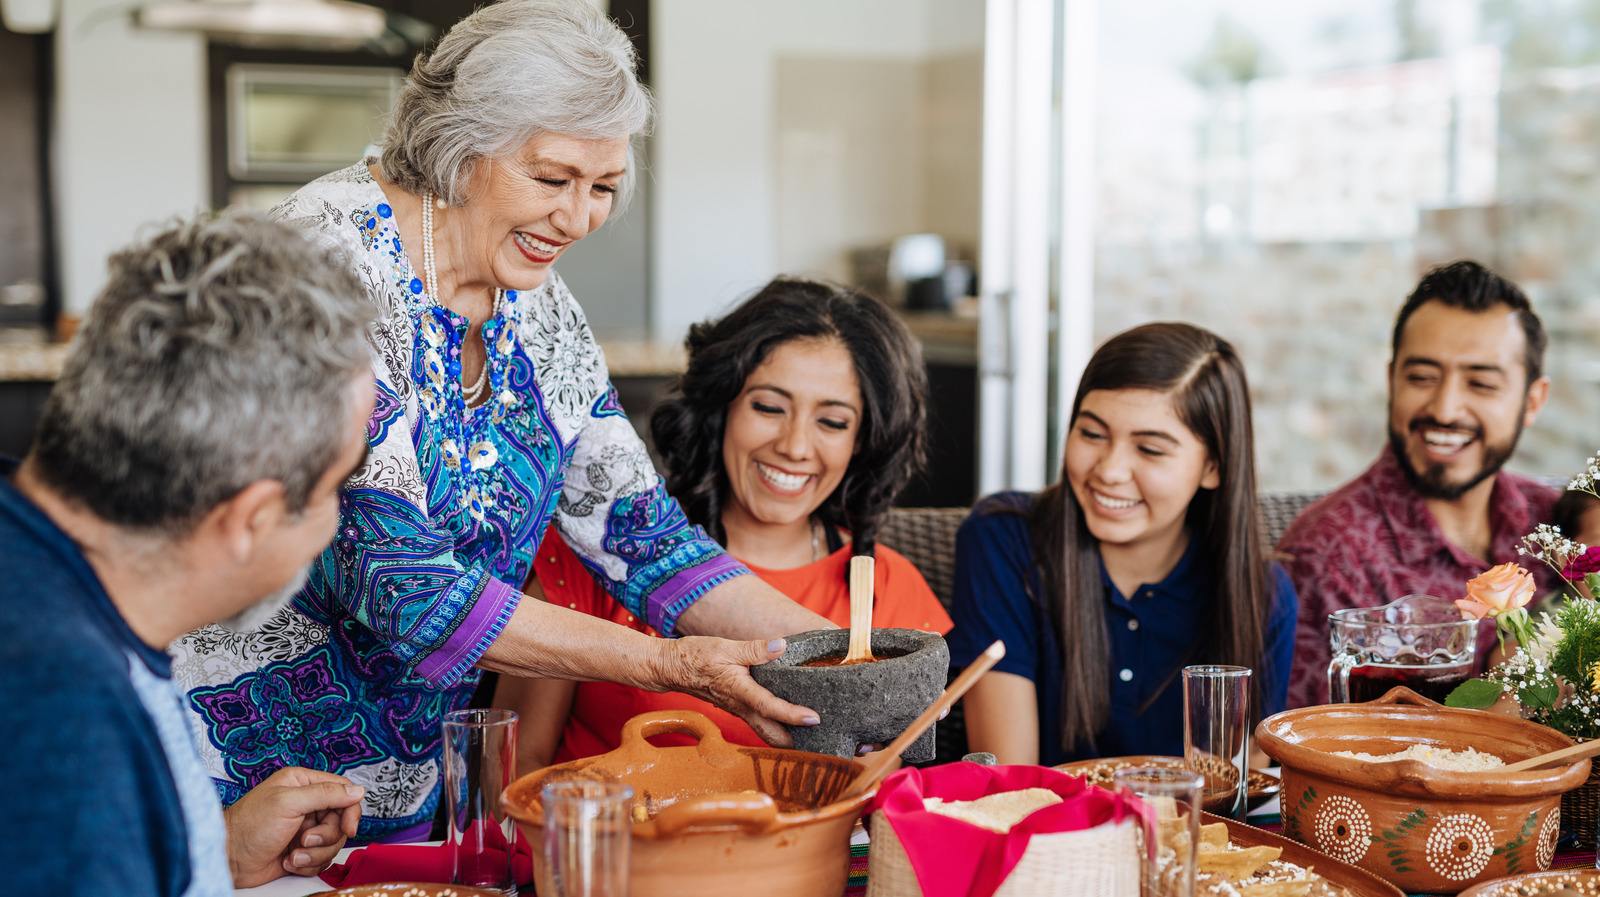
1145	557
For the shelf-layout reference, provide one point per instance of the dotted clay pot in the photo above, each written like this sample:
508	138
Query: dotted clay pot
1424	828
864	703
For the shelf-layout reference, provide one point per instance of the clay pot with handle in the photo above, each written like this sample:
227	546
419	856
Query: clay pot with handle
723	820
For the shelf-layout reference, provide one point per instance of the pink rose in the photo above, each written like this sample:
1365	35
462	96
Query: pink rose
1502	588
1588	562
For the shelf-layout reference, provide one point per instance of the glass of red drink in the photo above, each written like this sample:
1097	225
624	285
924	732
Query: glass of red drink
1420	641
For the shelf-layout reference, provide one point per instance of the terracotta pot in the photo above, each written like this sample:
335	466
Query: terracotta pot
864	703
1422	827
703	839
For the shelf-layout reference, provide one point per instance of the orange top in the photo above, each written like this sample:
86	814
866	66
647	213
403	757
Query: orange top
901	600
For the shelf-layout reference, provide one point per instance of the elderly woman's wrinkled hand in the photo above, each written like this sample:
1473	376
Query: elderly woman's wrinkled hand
718	670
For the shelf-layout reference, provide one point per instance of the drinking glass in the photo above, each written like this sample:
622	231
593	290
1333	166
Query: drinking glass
480	761
588	833
1174	799
1420	642
1216	734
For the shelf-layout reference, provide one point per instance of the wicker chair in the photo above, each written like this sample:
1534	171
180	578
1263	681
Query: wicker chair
927	537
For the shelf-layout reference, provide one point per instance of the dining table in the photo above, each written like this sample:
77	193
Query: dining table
301	886
1265	817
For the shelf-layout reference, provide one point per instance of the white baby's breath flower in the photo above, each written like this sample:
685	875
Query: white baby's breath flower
1546	543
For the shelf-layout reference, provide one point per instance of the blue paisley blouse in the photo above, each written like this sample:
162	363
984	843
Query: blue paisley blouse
437	532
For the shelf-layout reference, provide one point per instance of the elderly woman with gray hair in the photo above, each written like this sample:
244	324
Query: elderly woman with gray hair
494	413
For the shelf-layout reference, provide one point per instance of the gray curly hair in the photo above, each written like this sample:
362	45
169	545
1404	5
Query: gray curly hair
220	353
509	71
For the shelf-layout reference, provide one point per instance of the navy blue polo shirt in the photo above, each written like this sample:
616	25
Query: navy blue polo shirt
1153	634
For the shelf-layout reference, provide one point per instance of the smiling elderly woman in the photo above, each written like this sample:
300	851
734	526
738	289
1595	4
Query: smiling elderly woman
494	414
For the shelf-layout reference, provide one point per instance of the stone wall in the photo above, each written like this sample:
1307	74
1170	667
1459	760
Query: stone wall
1312	320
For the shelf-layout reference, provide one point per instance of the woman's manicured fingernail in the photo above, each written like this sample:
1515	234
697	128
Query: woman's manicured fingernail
810	721
862	750
775	646
312	840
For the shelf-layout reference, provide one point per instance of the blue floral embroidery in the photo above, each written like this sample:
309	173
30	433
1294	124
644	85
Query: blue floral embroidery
285	714
608	405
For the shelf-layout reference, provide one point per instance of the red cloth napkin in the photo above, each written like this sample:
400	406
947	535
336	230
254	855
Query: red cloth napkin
422	862
953	858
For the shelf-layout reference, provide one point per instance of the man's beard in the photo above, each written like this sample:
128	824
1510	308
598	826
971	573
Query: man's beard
255	616
1430	482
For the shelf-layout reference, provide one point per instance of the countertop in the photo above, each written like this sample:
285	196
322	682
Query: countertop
626	358
32	363
945	338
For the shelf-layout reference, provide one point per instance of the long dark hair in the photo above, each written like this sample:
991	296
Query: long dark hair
1205	380
687	426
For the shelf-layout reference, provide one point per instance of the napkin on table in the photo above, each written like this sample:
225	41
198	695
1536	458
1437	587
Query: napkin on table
419	862
953	858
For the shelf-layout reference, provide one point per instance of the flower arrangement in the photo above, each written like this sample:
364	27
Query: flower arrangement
1554	673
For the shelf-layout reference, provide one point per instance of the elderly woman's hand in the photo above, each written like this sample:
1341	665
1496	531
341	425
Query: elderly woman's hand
718	670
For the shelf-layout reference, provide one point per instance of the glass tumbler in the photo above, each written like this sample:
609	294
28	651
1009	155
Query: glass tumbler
480	761
1171	832
588	838
1216	734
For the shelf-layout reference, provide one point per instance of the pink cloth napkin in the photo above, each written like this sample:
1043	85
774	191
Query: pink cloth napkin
422	862
956	859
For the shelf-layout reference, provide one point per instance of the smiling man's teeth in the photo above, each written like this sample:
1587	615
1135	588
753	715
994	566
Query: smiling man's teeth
1446	439
1115	504
786	481
536	244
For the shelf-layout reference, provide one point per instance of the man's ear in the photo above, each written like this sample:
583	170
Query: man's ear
1538	392
237	524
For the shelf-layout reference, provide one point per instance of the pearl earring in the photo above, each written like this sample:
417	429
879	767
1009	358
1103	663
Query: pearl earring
440	204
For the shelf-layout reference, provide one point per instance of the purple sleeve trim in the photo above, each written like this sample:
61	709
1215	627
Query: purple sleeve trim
673	597
486	618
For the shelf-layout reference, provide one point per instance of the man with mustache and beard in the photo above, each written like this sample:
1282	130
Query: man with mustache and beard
188	462
1436	510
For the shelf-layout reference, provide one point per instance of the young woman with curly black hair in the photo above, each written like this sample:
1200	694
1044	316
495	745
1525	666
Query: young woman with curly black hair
799	419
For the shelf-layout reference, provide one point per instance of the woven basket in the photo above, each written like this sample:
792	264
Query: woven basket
1580	810
1099	862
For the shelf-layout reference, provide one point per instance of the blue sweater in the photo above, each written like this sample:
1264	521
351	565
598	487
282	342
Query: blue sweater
93	804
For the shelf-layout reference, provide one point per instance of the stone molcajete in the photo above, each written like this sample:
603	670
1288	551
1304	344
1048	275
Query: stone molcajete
863	703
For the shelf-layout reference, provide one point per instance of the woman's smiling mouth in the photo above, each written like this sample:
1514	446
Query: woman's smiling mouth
537	248
1113	504
782	481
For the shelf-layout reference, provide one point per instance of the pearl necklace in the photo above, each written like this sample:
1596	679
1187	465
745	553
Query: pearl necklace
471	395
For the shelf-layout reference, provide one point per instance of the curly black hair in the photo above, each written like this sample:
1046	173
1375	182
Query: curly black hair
688	425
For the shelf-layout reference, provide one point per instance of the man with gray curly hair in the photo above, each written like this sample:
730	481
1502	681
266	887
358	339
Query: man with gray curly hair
187	464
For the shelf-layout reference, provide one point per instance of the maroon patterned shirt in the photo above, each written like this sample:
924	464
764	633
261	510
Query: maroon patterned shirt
1373	541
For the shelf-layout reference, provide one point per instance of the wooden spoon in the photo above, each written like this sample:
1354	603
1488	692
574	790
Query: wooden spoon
878	767
1555	758
860	609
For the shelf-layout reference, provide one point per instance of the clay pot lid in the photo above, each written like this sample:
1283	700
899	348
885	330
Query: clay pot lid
1305	740
704	787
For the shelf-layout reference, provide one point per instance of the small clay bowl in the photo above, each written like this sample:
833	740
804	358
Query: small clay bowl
408	889
864	703
1261	787
1582	882
1425	828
